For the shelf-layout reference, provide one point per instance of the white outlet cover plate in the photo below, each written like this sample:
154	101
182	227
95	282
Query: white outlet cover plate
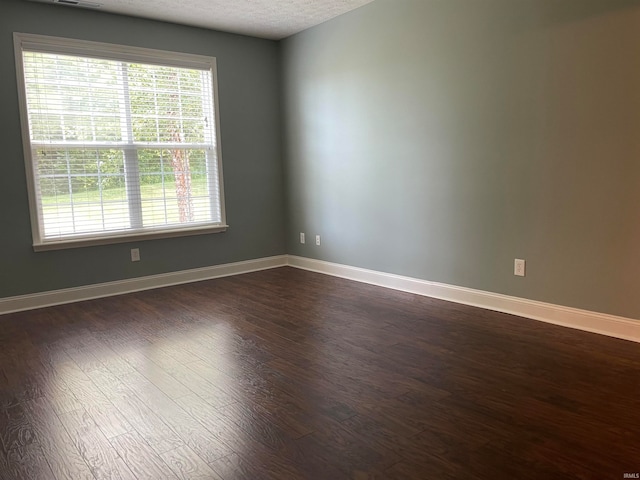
519	267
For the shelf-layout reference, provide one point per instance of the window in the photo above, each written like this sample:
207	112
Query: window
121	143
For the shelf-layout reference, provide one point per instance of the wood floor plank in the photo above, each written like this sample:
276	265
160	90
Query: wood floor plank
149	365
95	449
90	354
259	427
258	460
104	413
315	459
313	394
26	463
171	387
187	465
15	428
61	453
192	433
59	394
219	379
176	347
287	374
222	430
233	467
140	458
141	416
22	382
349	451
416	471
298	387
281	411
206	390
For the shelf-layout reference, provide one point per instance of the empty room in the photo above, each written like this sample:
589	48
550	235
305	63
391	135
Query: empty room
320	239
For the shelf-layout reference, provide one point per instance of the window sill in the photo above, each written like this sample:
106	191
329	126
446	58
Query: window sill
124	238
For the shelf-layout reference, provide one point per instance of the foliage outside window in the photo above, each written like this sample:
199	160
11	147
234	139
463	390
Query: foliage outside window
120	142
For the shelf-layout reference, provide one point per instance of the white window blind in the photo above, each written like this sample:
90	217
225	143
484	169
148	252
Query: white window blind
122	142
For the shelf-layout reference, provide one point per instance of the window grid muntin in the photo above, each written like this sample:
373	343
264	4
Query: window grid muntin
211	173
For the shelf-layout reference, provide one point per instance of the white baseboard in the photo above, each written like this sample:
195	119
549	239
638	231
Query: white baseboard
610	325
88	292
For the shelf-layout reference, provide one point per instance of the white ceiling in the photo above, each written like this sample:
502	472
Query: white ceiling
272	19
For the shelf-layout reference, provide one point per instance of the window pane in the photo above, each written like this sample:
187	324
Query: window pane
169	180
51	162
55	190
167	104
73	98
119	145
82	191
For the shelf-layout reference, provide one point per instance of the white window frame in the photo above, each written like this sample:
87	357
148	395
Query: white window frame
66	46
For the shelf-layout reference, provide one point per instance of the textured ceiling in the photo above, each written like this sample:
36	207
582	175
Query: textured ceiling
273	19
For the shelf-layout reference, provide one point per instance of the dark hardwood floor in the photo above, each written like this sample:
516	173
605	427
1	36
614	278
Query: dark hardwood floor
288	374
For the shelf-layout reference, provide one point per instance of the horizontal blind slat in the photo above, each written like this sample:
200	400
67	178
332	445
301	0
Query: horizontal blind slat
89	117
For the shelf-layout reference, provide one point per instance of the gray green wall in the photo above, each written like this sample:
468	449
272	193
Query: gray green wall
249	82
438	139
441	139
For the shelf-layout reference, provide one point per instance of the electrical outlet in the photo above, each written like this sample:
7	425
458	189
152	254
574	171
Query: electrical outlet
301	237
135	254
519	267
318	240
